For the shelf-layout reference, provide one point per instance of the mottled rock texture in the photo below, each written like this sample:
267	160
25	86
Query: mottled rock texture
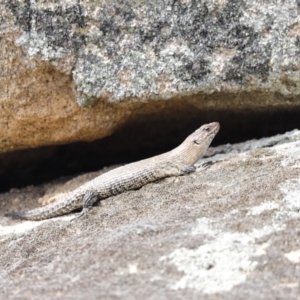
131	58
230	231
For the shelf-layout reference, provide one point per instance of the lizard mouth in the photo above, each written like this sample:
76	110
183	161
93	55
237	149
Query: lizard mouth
216	127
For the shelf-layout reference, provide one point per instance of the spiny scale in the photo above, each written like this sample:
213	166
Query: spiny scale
177	162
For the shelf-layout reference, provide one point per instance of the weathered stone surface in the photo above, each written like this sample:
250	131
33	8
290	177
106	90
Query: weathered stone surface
129	58
227	232
133	49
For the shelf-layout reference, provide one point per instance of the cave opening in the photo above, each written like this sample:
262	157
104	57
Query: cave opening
142	137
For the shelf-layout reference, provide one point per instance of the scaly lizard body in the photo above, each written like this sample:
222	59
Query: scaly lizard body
177	162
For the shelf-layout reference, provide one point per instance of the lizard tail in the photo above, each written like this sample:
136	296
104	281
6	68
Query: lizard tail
27	215
17	215
38	213
42	213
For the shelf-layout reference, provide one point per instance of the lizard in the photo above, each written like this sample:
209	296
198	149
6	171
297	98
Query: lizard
177	162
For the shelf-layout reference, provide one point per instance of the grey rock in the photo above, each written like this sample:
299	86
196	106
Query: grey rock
229	231
158	49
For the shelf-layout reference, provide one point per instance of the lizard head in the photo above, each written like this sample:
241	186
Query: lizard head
197	143
205	134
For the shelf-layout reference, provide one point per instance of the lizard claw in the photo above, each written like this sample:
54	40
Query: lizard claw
188	169
83	213
206	165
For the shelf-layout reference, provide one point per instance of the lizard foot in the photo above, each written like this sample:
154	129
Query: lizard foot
188	169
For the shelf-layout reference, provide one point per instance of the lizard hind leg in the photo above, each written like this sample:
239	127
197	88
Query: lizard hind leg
89	198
